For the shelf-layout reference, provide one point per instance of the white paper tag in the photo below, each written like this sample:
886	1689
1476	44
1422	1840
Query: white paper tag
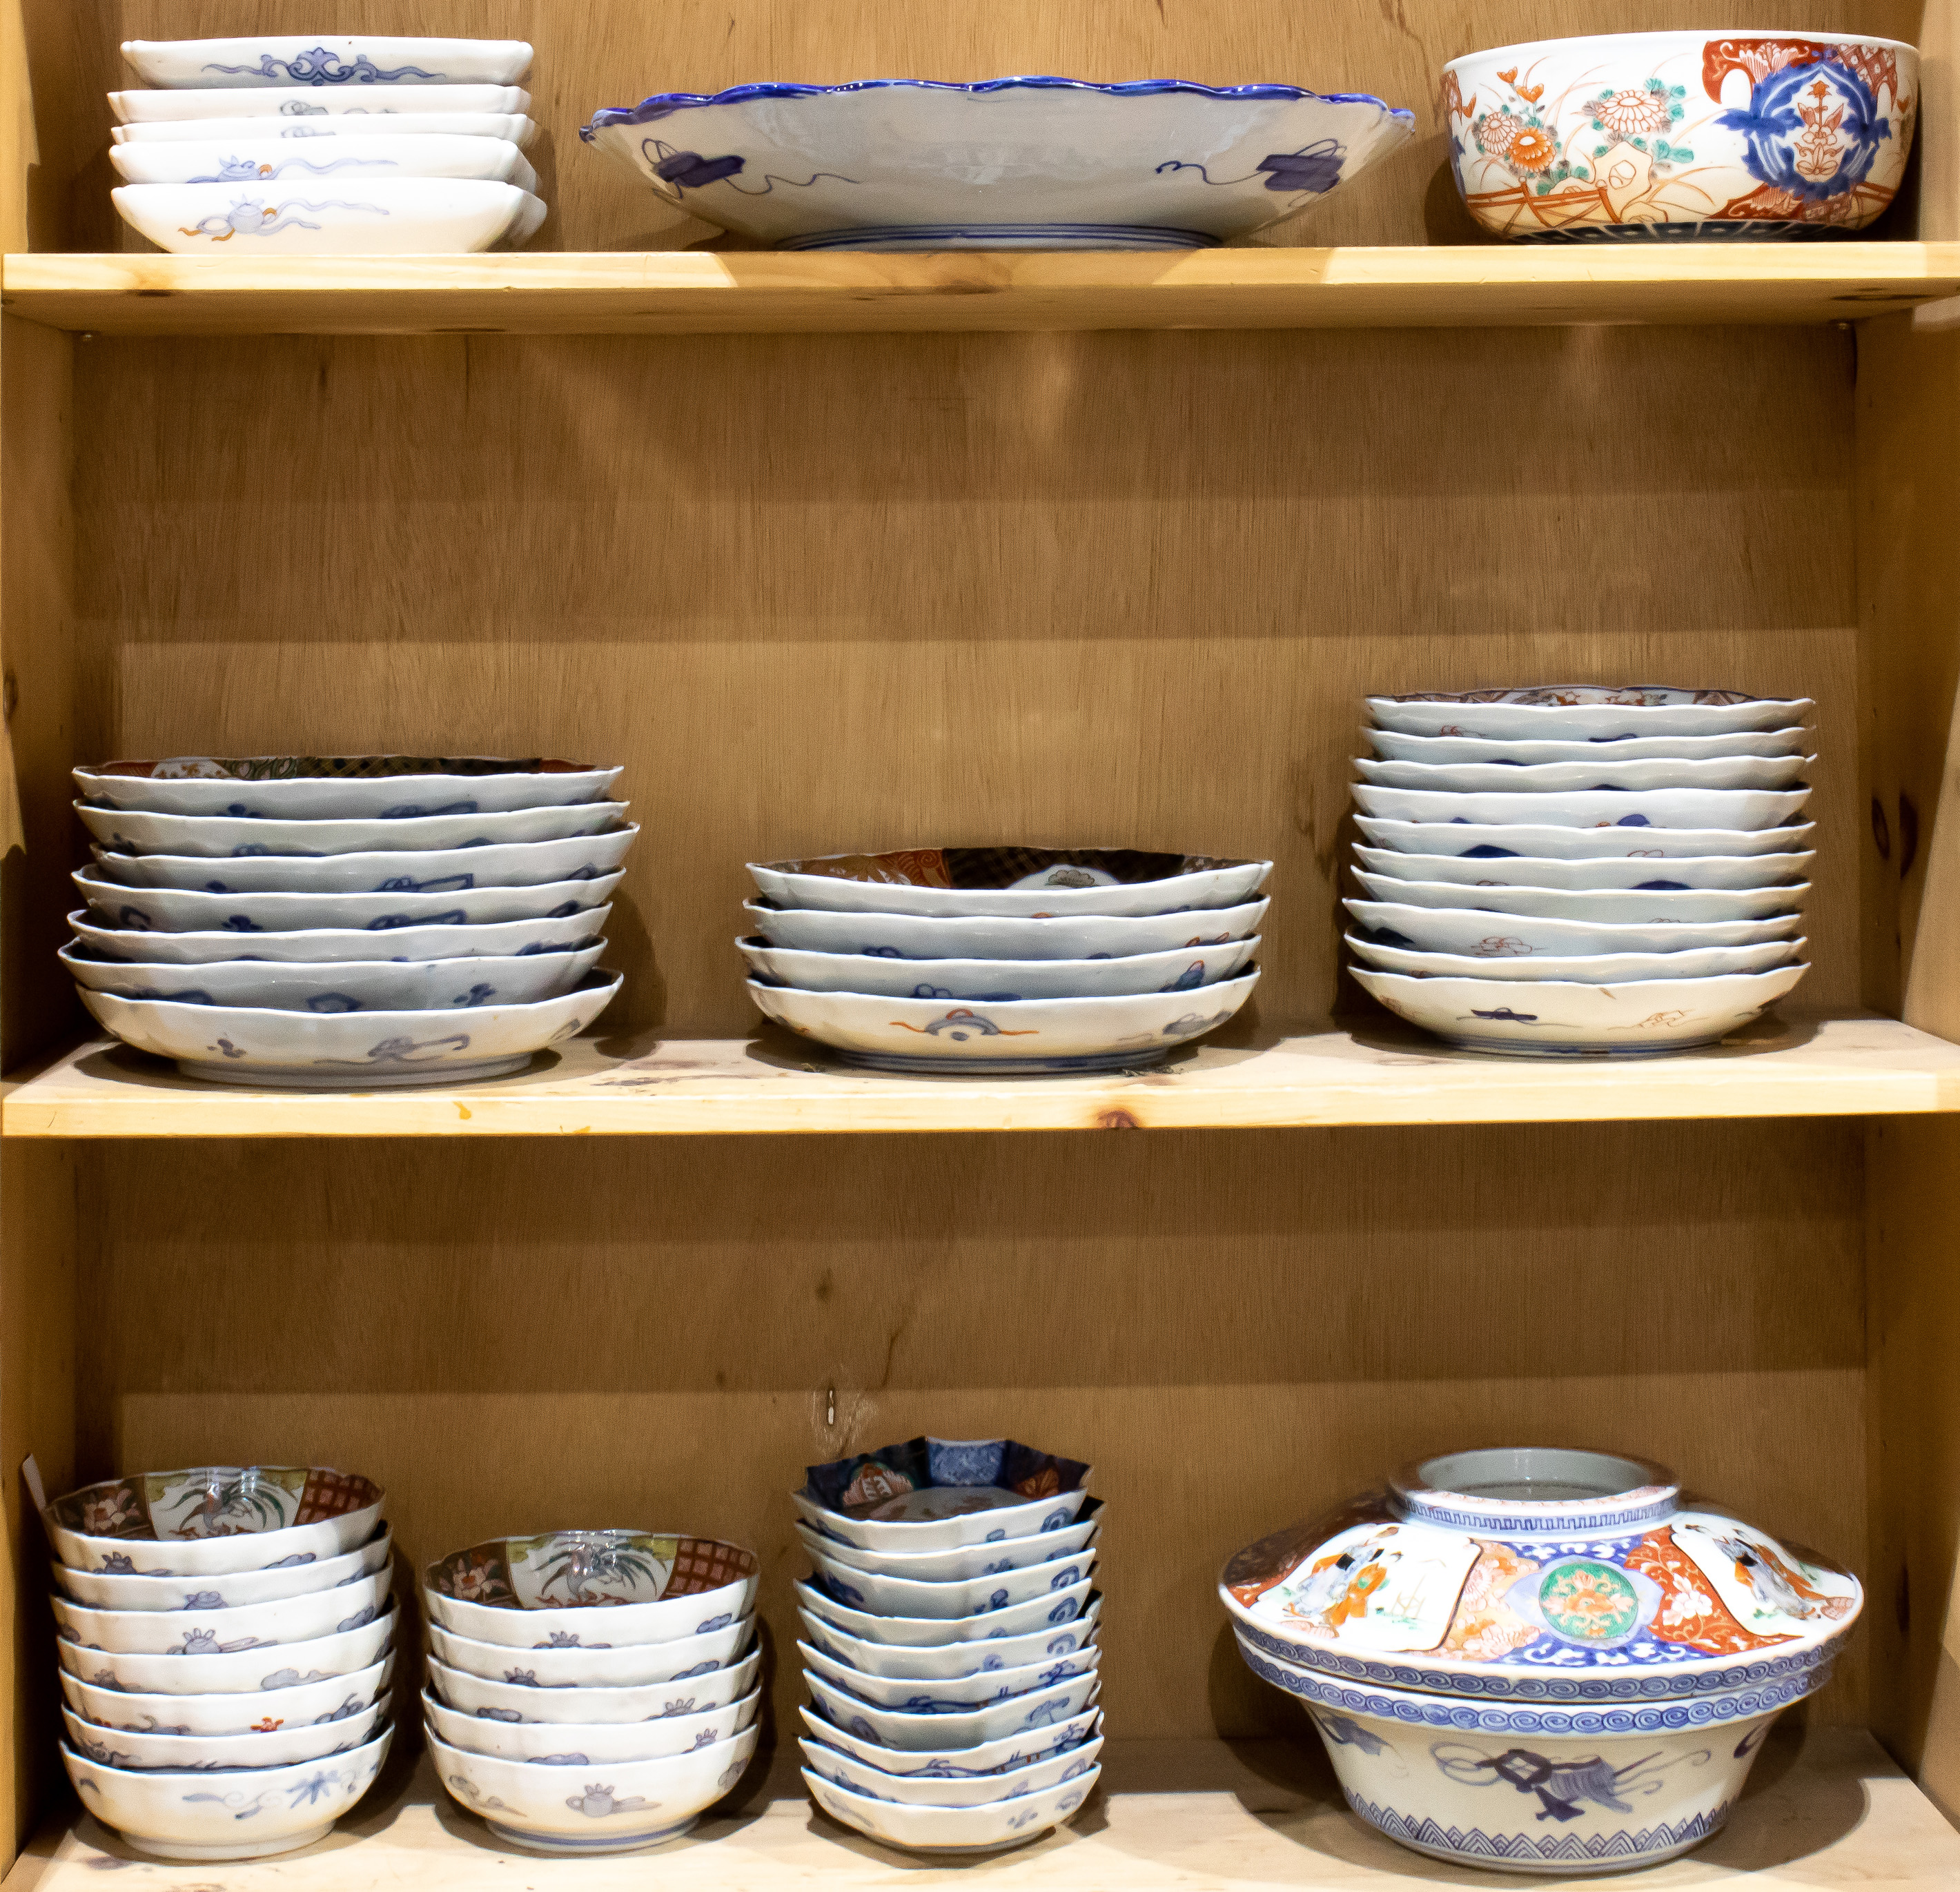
31	1473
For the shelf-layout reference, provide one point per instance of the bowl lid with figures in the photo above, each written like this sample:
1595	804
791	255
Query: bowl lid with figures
1539	1573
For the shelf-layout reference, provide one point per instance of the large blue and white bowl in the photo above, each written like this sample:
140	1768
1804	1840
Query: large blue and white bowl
1009	164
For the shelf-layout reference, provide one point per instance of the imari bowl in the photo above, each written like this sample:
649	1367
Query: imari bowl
943	1494
1681	135
1028	163
591	1589
1538	1659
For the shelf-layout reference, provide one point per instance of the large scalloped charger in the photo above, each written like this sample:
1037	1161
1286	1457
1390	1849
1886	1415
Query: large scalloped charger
1029	162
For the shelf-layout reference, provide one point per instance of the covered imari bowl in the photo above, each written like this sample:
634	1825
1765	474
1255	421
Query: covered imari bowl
1688	136
1539	1660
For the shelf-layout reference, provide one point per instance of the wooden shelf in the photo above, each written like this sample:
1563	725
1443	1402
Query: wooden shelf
693	291
1801	1066
1825	1811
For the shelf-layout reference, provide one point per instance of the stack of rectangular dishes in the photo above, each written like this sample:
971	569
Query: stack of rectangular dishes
1582	871
951	1652
592	1691
224	1639
345	921
992	960
309	144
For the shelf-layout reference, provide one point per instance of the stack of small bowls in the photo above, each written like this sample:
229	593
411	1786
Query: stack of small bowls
346	921
985	960
951	1657
592	1691
1582	871
224	1639
307	145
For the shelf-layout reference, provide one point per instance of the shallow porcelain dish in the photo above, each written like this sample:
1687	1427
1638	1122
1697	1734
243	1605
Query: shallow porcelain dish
700	1684
222	1754
943	1494
1579	712
1760	875
974	1561
1010	883
274	1666
957	1830
633	1666
353	62
213	1520
602	1589
1031	1034
229	1716
97	1591
1630	1789
512	125
172	910
1047	1708
1471	841
963	1695
342	787
207	1631
1487	936
139	831
1615	906
356	1051
516	863
614	1806
989	1759
951	1661
925	1632
937	1790
963	1597
359	985
505	939
279	103
242	1817
581	1744
1563	1018
256	157
1744	808
1017	163
403	216
1394	746
905	935
1685	136
1593	968
1603	771
985	981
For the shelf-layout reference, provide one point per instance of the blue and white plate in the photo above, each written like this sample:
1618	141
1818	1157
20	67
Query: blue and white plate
346	63
1027	163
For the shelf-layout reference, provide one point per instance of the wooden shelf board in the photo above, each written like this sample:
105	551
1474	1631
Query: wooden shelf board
1800	1066
1823	1811
693	291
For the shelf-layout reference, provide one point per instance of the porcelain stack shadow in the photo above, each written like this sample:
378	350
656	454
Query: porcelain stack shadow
314	144
343	922
225	1639
950	1646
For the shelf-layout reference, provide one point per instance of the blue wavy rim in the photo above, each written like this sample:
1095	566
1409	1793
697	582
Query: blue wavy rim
663	104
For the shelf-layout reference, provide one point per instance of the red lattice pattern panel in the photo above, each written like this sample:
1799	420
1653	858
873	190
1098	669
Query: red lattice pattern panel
700	1563
333	1494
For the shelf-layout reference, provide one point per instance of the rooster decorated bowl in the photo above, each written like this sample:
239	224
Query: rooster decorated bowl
1539	1659
1028	163
1687	136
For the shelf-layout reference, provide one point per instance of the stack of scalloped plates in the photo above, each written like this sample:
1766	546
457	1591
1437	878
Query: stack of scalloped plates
345	921
993	960
1580	870
283	144
224	1639
592	1691
949	1643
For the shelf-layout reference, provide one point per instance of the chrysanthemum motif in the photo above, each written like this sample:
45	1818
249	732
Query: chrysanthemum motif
1627	114
1496	133
1531	150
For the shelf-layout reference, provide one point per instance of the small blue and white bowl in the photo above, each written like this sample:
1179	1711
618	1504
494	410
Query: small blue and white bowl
547	1669
951	1661
986	1829
943	1494
975	1560
999	1721
711	1679
962	1597
983	1761
960	1697
1027	163
1043	1612
980	982
949	1789
581	1744
222	1754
